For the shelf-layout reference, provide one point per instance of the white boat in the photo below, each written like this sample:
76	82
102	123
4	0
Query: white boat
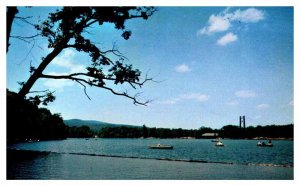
159	146
263	144
219	144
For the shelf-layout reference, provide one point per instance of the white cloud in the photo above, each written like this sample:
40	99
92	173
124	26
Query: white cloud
65	61
228	38
190	96
182	68
216	24
195	96
77	68
250	15
233	103
223	21
289	104
263	106
58	83
245	94
167	102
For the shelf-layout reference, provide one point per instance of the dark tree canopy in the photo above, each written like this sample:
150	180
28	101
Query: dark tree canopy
67	27
11	13
26	121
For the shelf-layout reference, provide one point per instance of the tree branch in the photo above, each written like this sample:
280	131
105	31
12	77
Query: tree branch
75	76
26	37
101	53
64	29
24	19
40	91
84	81
84	89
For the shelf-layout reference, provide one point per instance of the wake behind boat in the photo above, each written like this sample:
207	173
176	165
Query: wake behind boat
159	146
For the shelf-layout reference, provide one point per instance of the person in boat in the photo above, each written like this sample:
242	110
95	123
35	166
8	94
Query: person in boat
269	142
158	145
263	143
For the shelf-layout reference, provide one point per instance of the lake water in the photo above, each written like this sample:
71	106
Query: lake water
121	158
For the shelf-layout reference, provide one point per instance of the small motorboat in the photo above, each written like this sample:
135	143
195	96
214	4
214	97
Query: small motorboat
219	144
263	144
159	146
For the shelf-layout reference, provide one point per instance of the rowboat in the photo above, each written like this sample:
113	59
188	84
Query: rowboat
159	146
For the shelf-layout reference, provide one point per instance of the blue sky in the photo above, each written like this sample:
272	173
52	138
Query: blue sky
213	64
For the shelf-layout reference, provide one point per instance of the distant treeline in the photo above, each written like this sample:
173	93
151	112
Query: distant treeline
145	132
269	131
26	121
228	131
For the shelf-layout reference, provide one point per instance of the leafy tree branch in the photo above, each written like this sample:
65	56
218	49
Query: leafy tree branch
64	29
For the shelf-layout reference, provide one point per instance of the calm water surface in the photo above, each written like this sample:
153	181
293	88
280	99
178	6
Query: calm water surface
235	151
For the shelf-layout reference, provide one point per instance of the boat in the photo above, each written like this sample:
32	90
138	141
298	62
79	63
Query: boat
219	144
32	140
263	144
159	146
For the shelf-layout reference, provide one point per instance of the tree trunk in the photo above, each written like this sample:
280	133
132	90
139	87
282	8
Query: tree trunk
38	72
10	15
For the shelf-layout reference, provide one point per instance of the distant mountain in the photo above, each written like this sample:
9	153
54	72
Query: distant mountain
93	124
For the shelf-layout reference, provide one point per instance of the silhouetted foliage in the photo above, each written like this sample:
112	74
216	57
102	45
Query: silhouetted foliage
11	12
45	99
26	121
67	28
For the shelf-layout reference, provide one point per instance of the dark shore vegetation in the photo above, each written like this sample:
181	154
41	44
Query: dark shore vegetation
26	121
228	131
